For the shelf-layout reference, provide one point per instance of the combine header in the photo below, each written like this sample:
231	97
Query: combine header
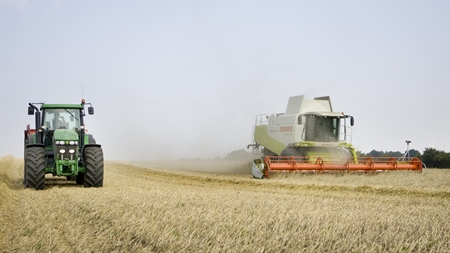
310	137
263	167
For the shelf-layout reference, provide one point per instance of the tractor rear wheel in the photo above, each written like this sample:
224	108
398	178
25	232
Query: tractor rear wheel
93	158
25	166
35	168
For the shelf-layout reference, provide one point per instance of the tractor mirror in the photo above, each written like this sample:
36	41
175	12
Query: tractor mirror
30	110
91	110
300	120
72	118
352	121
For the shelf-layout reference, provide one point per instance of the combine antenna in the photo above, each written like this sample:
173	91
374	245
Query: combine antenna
406	155
82	90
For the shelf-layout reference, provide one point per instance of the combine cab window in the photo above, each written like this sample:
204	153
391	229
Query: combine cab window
62	119
321	129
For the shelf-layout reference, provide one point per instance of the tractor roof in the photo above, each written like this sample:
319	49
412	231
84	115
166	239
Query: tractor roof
62	106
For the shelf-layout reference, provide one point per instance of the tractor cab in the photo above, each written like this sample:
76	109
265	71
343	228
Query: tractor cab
64	119
61	119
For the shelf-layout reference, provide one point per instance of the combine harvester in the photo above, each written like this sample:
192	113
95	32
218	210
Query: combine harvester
310	137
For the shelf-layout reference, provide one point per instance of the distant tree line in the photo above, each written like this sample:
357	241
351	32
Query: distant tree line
434	158
375	153
431	157
239	155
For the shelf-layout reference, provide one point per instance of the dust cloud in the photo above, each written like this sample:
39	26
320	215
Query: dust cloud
208	166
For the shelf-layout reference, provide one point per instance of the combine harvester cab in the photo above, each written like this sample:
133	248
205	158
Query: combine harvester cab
59	145
310	137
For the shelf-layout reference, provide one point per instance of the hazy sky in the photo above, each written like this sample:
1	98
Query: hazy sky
185	79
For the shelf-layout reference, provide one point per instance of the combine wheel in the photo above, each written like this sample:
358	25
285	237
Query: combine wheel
292	151
93	158
35	168
267	152
289	151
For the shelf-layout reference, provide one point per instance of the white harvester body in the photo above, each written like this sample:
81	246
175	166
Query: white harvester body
311	137
306	123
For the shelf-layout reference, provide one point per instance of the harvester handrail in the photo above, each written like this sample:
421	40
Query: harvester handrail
349	134
262	119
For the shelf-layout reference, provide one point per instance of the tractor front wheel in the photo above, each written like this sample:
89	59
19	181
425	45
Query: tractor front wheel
35	168
93	158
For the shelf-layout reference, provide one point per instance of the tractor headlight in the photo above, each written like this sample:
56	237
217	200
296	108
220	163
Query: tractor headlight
71	142
62	151
71	151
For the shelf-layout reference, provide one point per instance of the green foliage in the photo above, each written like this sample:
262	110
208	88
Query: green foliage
414	153
434	158
375	153
431	157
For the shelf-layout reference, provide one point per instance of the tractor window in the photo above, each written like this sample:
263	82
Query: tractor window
62	119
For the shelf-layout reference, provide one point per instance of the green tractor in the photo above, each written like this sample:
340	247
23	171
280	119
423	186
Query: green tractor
59	145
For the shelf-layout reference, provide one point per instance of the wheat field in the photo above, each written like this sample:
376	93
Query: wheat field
144	207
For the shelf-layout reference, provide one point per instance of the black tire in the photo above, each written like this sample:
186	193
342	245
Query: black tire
93	159
292	151
35	168
25	182
289	151
25	164
267	152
